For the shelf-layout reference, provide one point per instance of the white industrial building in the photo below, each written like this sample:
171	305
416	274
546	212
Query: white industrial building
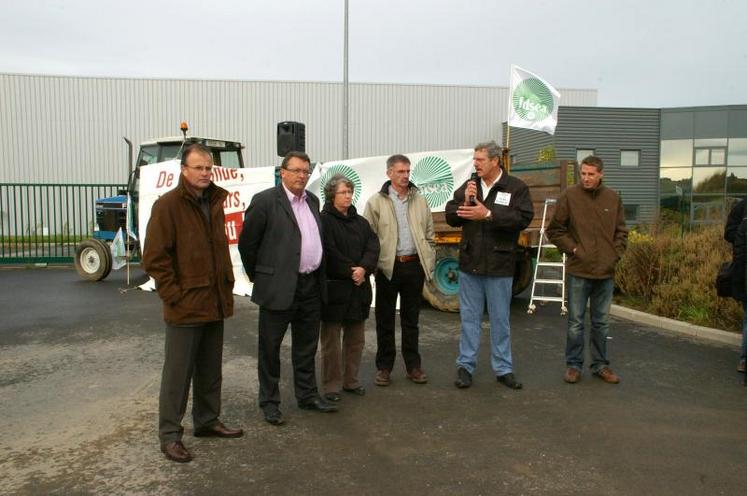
59	129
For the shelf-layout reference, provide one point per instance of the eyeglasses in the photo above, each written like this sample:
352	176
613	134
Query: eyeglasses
300	172
200	168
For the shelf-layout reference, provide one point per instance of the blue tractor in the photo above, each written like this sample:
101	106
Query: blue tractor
93	258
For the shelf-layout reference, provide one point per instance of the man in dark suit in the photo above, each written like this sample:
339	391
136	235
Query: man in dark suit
281	249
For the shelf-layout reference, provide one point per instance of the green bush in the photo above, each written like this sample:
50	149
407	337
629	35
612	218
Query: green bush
672	275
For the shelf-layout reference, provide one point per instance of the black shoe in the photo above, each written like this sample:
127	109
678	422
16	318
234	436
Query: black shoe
464	378
273	415
332	397
509	380
318	405
360	390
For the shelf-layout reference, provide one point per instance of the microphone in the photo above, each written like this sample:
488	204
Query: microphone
472	200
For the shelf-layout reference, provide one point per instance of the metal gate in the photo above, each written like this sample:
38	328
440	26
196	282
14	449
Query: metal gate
42	223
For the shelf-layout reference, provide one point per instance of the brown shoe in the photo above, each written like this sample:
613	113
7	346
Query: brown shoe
218	430
608	376
417	376
572	375
382	377
176	451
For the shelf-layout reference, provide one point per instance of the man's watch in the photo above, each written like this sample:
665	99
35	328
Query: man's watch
488	215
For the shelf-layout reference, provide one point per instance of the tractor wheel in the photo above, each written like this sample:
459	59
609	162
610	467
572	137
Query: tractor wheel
93	260
523	273
442	292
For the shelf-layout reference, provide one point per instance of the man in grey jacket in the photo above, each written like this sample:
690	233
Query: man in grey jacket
402	220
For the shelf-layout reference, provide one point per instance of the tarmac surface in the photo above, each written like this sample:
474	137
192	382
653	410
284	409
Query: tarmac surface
80	368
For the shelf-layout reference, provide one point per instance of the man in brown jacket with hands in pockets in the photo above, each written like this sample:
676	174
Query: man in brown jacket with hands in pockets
589	226
186	252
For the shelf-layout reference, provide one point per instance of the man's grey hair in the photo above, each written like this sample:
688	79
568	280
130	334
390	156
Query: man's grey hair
331	187
395	159
492	148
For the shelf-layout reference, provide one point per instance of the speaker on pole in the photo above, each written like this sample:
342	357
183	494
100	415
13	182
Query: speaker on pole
291	137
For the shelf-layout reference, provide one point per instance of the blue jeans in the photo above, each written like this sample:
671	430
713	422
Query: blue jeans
474	290
598	292
744	332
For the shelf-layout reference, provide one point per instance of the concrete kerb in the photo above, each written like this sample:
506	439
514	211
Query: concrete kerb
671	325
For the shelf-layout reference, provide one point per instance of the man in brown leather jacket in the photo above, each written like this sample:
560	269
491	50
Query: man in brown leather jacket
589	226
186	253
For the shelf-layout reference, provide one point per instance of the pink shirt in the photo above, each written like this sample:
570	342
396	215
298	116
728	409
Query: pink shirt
311	242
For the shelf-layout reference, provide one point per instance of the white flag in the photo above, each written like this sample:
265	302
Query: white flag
119	254
131	218
533	103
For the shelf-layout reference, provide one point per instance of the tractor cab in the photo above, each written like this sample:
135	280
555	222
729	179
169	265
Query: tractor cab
93	258
225	154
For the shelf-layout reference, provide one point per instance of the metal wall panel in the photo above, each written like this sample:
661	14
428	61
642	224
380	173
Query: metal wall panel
608	131
70	129
525	144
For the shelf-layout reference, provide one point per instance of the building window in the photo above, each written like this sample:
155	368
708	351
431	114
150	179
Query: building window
736	180
709	180
737	151
677	153
582	153
710	156
710	151
707	209
631	213
630	158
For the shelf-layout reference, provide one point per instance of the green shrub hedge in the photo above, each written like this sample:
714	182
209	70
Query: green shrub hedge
672	275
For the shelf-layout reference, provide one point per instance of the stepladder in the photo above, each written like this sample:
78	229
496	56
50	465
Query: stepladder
549	273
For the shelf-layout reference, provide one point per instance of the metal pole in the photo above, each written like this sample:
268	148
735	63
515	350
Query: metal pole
345	150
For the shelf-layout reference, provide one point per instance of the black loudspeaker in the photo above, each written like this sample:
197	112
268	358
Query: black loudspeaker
291	138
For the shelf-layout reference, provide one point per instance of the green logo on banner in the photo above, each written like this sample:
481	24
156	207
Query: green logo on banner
345	171
533	100
432	175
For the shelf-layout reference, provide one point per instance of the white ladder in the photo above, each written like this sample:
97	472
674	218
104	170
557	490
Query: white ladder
545	243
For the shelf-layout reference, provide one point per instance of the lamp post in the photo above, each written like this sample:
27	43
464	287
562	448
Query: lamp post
345	111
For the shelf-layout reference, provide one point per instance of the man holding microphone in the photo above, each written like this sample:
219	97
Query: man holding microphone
492	208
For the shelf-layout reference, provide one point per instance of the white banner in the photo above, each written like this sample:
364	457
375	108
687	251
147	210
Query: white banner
436	174
533	102
241	184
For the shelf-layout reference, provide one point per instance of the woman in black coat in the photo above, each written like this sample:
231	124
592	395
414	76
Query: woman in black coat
351	252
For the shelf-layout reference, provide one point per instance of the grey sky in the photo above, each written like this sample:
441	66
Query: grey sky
636	53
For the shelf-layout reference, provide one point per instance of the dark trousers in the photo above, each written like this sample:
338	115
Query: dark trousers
192	355
407	282
303	317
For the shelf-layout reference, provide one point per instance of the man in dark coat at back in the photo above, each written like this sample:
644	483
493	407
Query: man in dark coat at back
735	233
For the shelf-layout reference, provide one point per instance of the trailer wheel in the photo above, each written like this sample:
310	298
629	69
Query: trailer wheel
442	292
93	260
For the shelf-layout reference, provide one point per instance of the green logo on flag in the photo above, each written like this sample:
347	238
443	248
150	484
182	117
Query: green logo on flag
432	175
532	100
345	171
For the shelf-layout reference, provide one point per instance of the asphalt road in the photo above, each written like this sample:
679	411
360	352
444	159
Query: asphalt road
80	366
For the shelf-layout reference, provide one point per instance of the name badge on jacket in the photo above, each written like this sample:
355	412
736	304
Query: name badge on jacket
502	198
